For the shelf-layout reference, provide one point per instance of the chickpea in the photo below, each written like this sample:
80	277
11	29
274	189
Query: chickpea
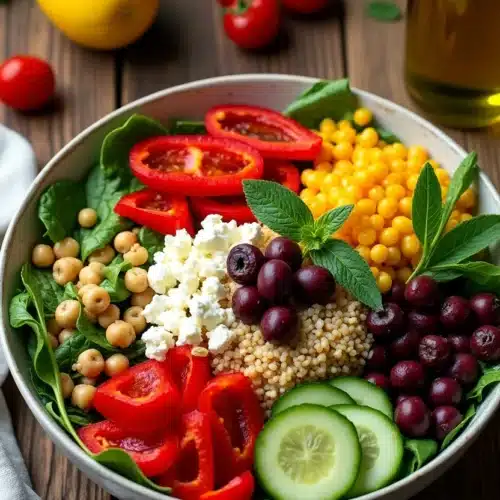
65	335
133	315
110	315
96	300
136	230
90	316
137	255
103	255
90	363
82	396
123	241
120	334
89	277
67	313
142	299
67	385
85	288
42	256
66	270
53	327
68	247
87	217
89	381
53	341
116	364
97	267
136	280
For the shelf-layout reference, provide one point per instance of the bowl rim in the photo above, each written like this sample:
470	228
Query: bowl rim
56	433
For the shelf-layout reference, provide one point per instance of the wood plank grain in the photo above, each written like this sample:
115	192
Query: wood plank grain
85	82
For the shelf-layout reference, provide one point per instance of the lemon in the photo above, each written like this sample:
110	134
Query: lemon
101	24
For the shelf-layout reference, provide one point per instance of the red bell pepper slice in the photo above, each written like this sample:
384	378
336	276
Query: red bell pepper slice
236	418
142	398
235	207
159	211
193	472
195	165
274	135
154	453
190	373
239	488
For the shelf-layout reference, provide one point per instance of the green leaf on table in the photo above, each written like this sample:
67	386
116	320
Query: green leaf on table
187	127
332	221
383	10
426	208
152	241
450	437
278	207
117	144
417	453
350	270
58	208
491	375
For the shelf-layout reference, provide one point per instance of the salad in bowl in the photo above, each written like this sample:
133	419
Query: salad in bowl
262	304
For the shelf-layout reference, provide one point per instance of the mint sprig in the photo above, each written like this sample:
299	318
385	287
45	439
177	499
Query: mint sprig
286	214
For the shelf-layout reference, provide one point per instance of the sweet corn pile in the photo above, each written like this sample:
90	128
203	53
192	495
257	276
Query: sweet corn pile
356	167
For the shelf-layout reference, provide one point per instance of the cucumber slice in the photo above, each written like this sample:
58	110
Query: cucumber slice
381	445
365	393
307	452
313	393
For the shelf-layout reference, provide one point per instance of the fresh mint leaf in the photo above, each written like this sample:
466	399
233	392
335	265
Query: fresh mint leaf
187	127
469	415
482	273
426	208
383	10
350	270
58	208
465	240
417	453
118	143
332	221
152	241
278	207
491	375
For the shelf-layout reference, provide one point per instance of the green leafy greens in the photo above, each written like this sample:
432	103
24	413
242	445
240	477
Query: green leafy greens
383	10
417	453
452	435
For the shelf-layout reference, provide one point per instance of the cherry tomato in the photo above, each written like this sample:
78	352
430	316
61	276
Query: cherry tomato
305	6
26	83
252	24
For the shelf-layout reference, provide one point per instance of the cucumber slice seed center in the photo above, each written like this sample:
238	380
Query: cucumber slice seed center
307	454
369	446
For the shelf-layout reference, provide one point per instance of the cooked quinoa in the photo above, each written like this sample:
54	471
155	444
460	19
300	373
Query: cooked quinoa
332	341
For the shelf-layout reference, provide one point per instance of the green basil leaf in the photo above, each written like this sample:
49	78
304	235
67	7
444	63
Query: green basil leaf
383	10
58	208
152	241
490	376
417	453
332	221
466	240
187	127
278	207
118	143
350	270
469	415
426	208
483	273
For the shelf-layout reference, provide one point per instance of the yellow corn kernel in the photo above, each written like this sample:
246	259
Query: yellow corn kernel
367	236
375	271
363	179
414	165
318	207
330	181
410	245
344	135
389	236
342	151
389	153
395	191
403	274
324	167
389	270
308	193
326	153
323	197
354	191
443	176
387	207
411	183
361	155
362	117
465	217
365	221
343	167
379	170
418	153
405	206
306	176
368	138
384	282
402	224
327	126
364	251
393	256
467	200
379	253
316	179
394	178
334	195
400	151
376	154
377	222
376	193
342	124
366	206
398	165
455	214
345	200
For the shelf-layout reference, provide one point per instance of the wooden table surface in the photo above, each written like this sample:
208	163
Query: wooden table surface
187	43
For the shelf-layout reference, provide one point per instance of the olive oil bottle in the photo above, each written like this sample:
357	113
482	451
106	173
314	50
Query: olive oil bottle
453	60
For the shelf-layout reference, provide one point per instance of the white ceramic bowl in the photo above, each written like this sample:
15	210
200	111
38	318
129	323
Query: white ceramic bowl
191	101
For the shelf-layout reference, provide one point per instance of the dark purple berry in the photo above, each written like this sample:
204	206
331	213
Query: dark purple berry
424	322
248	305
397	293
279	324
405	347
486	308
485	343
434	351
401	398
455	312
243	264
407	376
377	358
313	285
275	281
422	291
464	368
445	391
444	420
286	250
387	322
412	417
378	379
459	343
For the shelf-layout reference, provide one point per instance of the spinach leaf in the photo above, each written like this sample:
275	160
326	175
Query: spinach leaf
490	376
67	353
114	284
19	315
187	127
442	275
117	292
417	453
152	241
469	415
43	390
58	208
76	416
115	267
52	294
118	143
93	333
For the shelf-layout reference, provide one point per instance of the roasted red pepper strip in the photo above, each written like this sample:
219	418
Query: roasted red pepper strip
162	212
195	165
274	135
154	453
193	472
236	418
190	373
142	398
235	207
239	488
